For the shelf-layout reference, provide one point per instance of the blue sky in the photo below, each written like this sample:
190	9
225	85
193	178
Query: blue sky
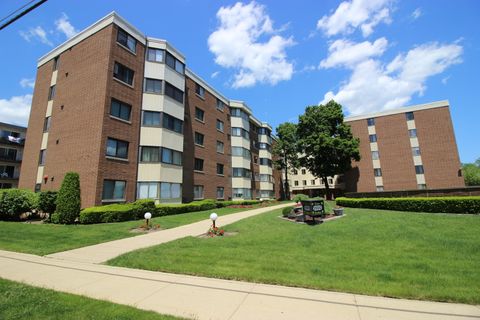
280	56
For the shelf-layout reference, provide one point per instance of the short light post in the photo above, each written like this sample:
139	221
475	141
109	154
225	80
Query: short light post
147	217
213	217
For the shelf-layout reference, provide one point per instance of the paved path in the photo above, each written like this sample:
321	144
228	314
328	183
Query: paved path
108	250
204	298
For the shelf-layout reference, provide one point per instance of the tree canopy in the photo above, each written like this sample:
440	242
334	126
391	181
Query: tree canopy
471	173
286	151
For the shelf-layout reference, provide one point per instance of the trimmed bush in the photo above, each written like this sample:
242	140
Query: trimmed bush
286	211
167	210
299	197
222	204
14	202
47	201
68	200
117	212
433	204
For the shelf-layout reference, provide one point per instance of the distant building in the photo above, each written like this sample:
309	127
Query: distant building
403	149
12	140
124	111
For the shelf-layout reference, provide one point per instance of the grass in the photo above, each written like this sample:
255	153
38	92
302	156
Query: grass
42	239
386	253
19	301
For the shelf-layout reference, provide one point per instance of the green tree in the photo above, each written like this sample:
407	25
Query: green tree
471	173
326	143
68	200
285	151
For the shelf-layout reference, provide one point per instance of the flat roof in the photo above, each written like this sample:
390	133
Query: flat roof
12	126
431	105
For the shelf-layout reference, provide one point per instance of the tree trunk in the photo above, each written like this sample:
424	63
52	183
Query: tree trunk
327	188
286	187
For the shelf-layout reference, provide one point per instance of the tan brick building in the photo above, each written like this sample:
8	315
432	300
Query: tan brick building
403	149
126	114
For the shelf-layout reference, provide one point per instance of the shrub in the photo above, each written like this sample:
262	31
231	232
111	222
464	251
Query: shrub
68	200
47	201
299	197
433	204
142	206
14	202
166	210
286	211
222	204
117	212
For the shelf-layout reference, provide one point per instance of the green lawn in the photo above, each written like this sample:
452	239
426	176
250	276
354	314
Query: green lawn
19	301
42	239
387	253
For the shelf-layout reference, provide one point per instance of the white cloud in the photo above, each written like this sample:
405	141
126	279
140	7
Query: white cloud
417	13
16	110
346	53
353	14
445	79
374	86
215	74
36	33
27	83
236	44
64	26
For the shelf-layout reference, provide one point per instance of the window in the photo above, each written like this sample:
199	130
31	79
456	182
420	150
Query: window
38	187
241	173
220	147
172	123
120	110
409	116
126	40
7	171
264	131
241	152
151	119
150	154
422	186
264	146
200	90
313	182
198	164
155	55
220	169
220	105
123	73
304	171
265	162
114	190
117	148
199	138
197	192
377	172
242	193
220	125
295	183
237	112
373	138
174	63
240	132
412	133
147	190
304	182
330	181
46	124
171	156
266	178
375	155
379	188
170	192
371	122
43	155
416	151
51	92
220	192
199	114
153	86
419	169
173	92
8	154
266	194
295	171
55	63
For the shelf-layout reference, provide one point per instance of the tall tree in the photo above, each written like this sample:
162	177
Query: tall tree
326	143
471	173
285	151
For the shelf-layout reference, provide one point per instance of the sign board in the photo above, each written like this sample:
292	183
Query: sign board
313	207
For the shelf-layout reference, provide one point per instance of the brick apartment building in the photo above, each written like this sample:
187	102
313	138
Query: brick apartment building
12	139
403	149
123	111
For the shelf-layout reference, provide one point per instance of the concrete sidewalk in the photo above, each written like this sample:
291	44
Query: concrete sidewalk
205	298
108	250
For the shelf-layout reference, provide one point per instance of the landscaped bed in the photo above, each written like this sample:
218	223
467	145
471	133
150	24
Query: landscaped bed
20	301
375	252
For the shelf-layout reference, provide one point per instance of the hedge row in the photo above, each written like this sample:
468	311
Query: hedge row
137	209
433	204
